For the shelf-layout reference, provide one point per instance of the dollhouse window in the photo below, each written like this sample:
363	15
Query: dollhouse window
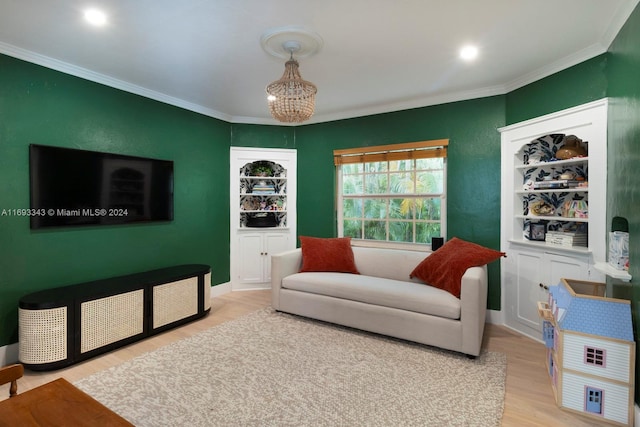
548	334
595	356
594	400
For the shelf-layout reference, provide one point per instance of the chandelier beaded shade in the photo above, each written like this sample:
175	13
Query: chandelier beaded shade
291	99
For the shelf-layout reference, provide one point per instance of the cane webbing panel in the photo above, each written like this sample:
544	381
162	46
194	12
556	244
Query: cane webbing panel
174	301
42	335
207	291
107	320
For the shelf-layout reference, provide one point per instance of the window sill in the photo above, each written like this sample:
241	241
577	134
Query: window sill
391	245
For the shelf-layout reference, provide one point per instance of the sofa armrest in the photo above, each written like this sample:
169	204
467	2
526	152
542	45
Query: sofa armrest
473	308
282	265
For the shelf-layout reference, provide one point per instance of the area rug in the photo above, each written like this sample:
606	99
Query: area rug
274	369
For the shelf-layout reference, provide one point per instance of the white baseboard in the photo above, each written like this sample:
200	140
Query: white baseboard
250	287
221	289
495	317
9	354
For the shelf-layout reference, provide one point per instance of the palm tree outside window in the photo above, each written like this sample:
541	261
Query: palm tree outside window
392	193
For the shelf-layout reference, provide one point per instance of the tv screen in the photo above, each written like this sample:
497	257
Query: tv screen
71	187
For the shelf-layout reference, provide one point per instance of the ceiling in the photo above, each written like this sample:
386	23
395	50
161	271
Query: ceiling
376	55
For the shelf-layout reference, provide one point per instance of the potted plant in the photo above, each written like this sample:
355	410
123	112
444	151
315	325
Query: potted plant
261	169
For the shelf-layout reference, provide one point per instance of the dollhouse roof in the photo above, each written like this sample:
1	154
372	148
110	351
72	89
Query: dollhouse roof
561	295
596	316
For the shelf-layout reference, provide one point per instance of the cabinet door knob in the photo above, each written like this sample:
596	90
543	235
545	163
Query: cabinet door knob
543	286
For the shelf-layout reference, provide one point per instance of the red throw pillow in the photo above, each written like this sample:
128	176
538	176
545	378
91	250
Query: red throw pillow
445	267
332	254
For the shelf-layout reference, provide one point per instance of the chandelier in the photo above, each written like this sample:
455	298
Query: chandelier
291	98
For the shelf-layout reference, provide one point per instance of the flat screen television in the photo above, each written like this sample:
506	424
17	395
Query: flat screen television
71	187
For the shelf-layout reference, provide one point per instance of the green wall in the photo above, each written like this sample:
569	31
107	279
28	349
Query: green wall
38	105
577	85
473	202
473	167
244	135
623	156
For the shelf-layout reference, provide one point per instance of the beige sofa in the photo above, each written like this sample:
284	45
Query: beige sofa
382	298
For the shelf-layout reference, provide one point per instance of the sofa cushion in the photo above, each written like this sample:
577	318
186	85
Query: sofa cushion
393	264
331	254
445	267
409	296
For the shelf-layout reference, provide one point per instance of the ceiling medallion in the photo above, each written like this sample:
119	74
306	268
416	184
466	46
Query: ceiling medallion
291	98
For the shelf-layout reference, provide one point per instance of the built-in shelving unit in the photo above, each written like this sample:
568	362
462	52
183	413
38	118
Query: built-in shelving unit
553	207
263	212
263	198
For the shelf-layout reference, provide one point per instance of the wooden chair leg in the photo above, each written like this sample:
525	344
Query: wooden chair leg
9	375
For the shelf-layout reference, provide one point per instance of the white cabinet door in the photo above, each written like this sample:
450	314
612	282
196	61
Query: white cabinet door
570	267
254	257
528	277
529	273
250	258
273	244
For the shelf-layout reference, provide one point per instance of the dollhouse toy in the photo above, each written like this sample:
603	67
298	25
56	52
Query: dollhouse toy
590	351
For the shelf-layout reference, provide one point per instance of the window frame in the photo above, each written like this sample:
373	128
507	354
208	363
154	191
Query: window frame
595	356
392	152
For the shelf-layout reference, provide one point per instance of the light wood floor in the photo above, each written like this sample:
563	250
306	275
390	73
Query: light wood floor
528	402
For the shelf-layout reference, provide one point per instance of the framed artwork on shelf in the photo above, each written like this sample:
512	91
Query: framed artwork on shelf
537	231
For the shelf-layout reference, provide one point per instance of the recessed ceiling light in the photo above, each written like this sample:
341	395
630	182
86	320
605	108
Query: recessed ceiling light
95	17
469	53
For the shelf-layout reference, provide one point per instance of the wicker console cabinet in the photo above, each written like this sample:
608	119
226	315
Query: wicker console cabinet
62	326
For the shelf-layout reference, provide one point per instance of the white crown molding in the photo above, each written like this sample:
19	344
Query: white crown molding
557	66
408	104
412	103
378	109
381	109
618	20
86	74
418	102
259	121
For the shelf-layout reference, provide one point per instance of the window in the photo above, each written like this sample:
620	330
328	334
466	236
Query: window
393	193
594	356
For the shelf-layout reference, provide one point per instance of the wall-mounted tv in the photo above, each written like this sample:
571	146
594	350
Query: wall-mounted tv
71	187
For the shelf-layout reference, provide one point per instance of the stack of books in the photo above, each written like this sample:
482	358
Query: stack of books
263	189
567	239
556	183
